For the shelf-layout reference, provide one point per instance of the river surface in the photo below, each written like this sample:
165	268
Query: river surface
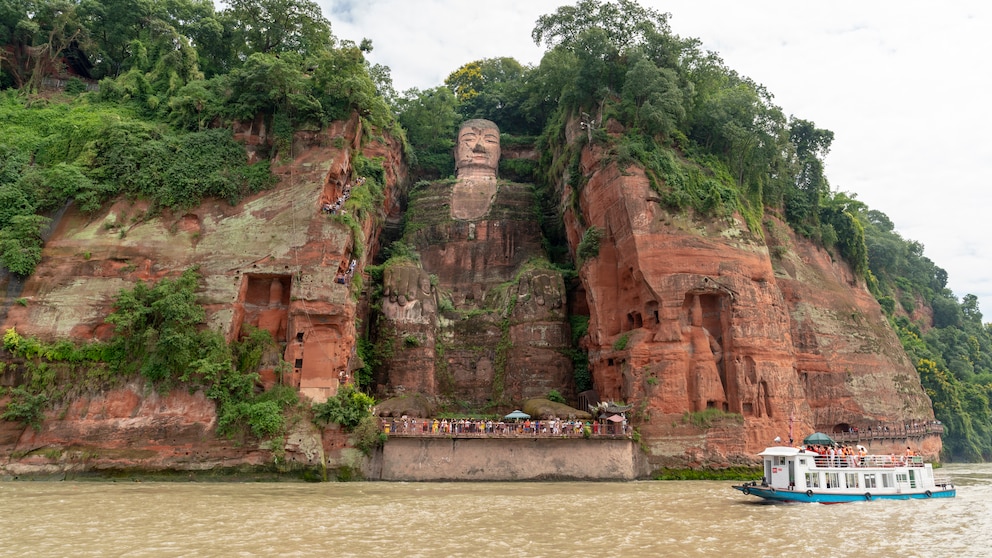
608	520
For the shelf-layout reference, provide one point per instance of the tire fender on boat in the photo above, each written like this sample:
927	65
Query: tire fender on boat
809	493
746	490
868	496
929	494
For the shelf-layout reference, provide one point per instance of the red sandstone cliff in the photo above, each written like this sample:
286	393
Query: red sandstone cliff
271	261
688	314
685	314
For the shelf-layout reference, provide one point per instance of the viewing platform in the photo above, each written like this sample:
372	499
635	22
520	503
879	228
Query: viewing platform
468	428
882	433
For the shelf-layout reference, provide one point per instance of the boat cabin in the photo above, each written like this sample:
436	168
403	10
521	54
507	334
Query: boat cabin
788	468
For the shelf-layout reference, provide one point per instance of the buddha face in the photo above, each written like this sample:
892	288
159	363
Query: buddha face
478	149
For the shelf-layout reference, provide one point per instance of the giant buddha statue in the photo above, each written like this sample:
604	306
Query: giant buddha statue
478	320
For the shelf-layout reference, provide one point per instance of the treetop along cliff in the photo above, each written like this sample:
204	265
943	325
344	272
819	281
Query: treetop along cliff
678	213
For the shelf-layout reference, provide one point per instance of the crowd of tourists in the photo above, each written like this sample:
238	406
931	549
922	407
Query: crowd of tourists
481	428
847	456
336	205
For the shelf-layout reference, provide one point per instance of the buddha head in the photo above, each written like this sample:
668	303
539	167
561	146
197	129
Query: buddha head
477	150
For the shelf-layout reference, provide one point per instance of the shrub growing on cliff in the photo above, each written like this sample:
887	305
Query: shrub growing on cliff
20	243
263	418
158	333
347	408
621	342
156	328
367	435
25	407
589	245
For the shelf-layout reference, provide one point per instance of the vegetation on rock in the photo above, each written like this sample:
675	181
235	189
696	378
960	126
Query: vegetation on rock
158	86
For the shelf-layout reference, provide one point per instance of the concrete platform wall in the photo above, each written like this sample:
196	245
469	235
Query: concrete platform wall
487	459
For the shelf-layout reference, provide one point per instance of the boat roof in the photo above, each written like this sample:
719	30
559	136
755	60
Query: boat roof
785	451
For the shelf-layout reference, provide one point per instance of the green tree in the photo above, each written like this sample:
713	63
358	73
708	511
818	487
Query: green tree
652	96
969	307
17	33
279	26
803	202
598	70
197	104
14	202
495	89
839	212
117	28
342	84
58	28
550	82
624	23
430	118
266	83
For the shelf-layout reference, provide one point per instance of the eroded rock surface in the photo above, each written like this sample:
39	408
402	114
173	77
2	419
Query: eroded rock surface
691	314
685	314
275	261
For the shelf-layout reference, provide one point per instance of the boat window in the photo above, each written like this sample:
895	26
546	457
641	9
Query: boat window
833	480
802	461
887	480
812	480
852	480
870	480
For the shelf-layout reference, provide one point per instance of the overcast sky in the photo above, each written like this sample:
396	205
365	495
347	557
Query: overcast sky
904	86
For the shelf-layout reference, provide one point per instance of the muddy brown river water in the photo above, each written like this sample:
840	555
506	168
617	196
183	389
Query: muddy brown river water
671	518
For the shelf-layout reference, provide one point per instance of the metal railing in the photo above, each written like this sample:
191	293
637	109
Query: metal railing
883	461
899	432
427	428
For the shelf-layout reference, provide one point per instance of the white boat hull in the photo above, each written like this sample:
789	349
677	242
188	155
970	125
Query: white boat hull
797	475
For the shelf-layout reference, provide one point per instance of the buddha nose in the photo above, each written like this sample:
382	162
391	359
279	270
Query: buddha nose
479	147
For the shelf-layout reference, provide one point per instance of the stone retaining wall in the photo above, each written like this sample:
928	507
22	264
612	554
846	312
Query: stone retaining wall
487	459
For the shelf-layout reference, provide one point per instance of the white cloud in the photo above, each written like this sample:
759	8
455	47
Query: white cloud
902	85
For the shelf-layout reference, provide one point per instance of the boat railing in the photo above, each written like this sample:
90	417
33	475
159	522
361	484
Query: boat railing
883	461
943	482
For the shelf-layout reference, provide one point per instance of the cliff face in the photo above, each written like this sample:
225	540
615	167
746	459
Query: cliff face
275	261
685	314
688	315
135	430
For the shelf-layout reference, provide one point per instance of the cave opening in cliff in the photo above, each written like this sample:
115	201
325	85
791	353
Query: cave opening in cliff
265	299
651	311
634	320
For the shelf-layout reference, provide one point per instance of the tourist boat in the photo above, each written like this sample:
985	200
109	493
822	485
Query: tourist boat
800	475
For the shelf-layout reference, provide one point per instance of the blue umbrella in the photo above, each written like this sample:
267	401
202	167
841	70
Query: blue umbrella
517	415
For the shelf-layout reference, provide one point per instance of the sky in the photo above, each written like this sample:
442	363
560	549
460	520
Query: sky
904	86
